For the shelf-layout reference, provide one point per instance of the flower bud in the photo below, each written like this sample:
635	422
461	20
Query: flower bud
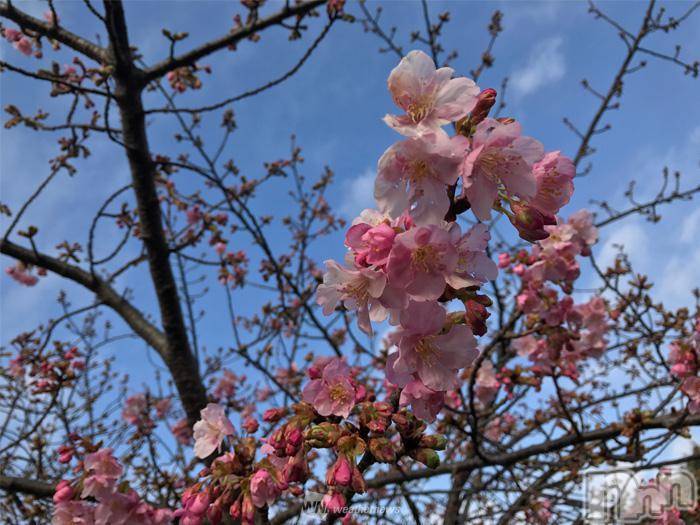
235	510
200	504
530	222
427	456
273	415
358	481
408	425
484	102
250	425
334	502
340	473
435	441
323	435
64	492
382	449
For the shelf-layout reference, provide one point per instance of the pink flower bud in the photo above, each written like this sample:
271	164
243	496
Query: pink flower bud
250	425
64	492
340	473
200	504
334	502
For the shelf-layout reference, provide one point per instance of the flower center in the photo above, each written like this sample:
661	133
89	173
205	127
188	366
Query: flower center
425	258
427	352
419	109
497	165
358	289
338	393
419	171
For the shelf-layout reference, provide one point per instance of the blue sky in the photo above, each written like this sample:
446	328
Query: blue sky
335	104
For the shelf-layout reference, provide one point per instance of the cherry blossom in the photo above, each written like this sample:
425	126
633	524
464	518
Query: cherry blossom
210	431
430	97
554	175
359	290
474	267
424	350
264	490
499	158
420	261
334	392
413	175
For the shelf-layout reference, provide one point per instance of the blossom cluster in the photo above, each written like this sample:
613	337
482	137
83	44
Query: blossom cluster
22	273
684	358
96	496
410	256
561	333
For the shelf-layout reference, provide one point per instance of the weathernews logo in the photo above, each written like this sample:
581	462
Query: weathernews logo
313	504
621	497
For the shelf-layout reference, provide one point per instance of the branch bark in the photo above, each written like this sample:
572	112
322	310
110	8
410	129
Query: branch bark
108	295
55	32
26	486
129	83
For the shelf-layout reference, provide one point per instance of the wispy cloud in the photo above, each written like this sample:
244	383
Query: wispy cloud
358	194
545	65
634	241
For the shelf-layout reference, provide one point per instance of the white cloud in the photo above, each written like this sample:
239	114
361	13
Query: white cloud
690	227
679	277
542	12
545	65
634	240
358	194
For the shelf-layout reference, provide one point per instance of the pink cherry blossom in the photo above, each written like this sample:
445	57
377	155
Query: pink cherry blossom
210	431
24	46
20	273
487	383
103	471
425	403
414	174
430	97
73	513
340	473
499	158
554	175
64	491
420	261
371	244
433	356
264	490
135	409
334	393
357	289
474	267
691	388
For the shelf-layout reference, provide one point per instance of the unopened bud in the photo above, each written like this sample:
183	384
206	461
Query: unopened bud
436	442
427	456
530	222
382	449
484	103
323	435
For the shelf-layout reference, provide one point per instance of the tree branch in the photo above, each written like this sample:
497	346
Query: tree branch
105	293
128	78
232	38
26	486
54	32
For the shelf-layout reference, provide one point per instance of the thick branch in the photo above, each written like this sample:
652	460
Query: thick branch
105	293
26	486
548	447
180	360
54	32
232	38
